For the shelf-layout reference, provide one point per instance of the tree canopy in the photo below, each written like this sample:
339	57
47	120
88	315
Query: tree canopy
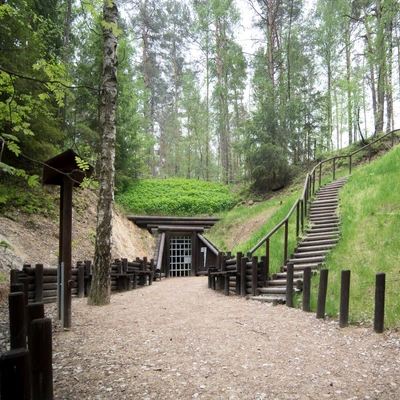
193	100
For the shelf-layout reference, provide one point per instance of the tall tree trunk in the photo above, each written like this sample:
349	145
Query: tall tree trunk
66	59
348	77
101	283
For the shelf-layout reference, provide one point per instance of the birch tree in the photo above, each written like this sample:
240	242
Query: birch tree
101	283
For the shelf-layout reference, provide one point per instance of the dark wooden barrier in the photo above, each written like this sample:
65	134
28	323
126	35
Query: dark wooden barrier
239	276
41	359
306	289
289	285
16	302
379	313
15	375
323	286
344	299
40	284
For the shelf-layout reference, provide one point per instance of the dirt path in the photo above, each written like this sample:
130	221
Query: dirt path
177	339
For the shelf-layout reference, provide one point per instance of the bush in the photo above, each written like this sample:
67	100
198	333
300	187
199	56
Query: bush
177	197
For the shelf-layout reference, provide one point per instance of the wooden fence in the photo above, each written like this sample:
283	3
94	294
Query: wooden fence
40	284
241	275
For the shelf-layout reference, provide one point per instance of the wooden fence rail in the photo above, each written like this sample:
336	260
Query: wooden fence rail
26	370
40	284
240	275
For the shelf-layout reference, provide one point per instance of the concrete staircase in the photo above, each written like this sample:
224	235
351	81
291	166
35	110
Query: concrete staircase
321	237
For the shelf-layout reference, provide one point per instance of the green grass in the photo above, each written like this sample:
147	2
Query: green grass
279	208
176	197
370	243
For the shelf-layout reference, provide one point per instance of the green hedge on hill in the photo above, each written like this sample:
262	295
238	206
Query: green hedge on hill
175	197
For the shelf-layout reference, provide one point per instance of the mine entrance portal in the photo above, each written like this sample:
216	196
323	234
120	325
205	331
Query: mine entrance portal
180	256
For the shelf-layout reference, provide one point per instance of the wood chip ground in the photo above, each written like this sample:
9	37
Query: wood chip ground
177	339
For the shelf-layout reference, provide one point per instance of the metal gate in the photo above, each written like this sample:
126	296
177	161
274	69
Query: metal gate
180	255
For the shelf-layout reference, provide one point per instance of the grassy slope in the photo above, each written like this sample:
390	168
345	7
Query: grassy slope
232	219
370	242
370	239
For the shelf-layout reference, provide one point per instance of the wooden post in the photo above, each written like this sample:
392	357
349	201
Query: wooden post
323	286
13	276
243	267
334	168
25	282
379	314
81	281
265	270
15	375
220	280
41	360
88	275
289	285
306	288
254	276
350	165
144	267
39	283
167	253
320	175
239	256
17	315
344	299
134	282
153	271
226	285
124	265
16	287
267	256
313	182
302	215
195	256
297	219
285	251
33	311
66	248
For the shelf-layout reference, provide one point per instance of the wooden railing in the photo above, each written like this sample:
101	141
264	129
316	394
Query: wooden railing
301	204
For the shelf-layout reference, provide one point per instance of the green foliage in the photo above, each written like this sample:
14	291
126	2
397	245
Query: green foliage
5	246
17	196
176	197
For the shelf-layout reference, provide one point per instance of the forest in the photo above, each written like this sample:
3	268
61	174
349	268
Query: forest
193	100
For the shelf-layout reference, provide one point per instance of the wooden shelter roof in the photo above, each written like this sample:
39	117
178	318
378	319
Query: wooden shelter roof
174	224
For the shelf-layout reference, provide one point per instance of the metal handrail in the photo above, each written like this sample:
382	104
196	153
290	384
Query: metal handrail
300	204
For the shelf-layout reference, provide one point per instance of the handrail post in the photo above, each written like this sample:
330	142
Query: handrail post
267	255
297	219
334	168
302	215
320	175
350	164
286	241
313	182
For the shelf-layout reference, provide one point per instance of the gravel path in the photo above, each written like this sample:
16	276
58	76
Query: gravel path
177	339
